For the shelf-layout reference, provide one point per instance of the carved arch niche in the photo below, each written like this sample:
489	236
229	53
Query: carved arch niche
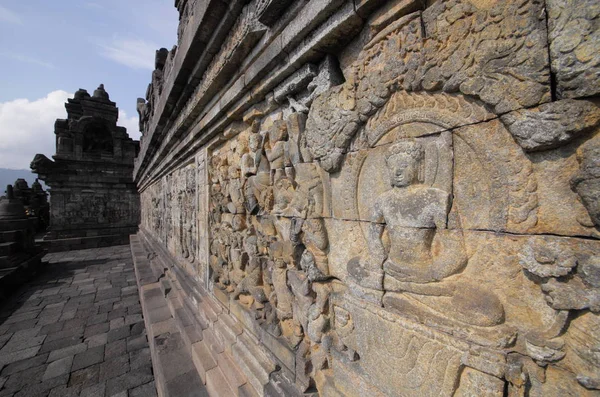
469	154
97	138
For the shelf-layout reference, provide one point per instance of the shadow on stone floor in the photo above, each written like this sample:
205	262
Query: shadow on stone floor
77	328
49	278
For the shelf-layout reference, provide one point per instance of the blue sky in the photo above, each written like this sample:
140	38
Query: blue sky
50	48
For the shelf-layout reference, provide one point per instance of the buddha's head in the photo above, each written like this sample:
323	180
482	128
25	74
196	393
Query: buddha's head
404	160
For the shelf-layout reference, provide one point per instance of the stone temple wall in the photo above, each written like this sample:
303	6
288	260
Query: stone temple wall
382	197
94	201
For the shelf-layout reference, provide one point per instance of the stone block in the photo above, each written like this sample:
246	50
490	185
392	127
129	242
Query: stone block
90	357
235	378
573	31
112	368
18	355
188	384
115	349
147	390
129	380
216	383
23	365
67	351
58	367
94	391
84	378
139	358
119	333
203	359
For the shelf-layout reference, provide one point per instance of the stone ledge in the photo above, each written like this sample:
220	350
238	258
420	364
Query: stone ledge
79	243
318	16
174	370
13	278
228	359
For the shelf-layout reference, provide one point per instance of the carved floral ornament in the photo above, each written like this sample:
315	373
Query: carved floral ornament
407	222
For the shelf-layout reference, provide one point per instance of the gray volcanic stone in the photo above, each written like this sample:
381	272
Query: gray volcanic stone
574	33
552	124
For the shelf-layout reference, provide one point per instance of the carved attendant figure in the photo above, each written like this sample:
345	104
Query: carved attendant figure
276	149
255	166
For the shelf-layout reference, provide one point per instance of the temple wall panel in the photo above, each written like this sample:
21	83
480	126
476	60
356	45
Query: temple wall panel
385	197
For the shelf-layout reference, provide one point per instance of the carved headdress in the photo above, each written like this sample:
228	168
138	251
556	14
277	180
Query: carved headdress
411	149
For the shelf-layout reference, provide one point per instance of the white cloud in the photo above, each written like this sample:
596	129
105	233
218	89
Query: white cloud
94	6
131	123
9	16
134	53
27	128
27	59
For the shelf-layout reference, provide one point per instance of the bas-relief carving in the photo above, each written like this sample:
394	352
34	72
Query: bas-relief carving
170	209
414	261
574	35
268	243
493	52
428	218
437	263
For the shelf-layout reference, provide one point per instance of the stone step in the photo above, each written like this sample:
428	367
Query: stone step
226	331
212	342
7	249
198	317
209	352
190	331
189	296
171	348
9	261
203	359
208	310
217	385
225	358
214	305
9	236
202	318
247	390
235	378
256	365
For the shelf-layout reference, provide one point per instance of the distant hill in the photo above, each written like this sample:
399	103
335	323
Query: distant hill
10	176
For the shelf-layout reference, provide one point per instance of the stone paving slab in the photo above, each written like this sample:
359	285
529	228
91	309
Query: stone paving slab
77	330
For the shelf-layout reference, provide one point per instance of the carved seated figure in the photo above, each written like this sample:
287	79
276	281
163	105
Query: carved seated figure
414	214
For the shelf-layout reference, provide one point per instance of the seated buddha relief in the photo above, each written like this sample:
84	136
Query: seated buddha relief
411	254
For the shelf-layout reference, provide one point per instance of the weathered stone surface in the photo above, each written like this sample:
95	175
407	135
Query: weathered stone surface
421	201
71	364
552	124
587	180
574	36
20	257
58	367
94	202
441	62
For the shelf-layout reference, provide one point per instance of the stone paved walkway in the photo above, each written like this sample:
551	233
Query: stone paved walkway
77	330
